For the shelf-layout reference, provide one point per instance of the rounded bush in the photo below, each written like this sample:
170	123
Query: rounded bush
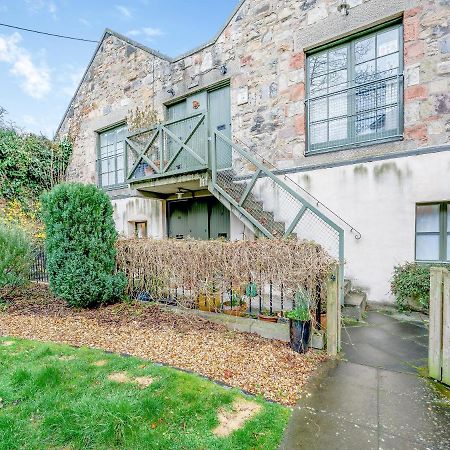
80	245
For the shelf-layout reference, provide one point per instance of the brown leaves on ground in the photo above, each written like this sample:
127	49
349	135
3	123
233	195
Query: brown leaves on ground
234	419
242	360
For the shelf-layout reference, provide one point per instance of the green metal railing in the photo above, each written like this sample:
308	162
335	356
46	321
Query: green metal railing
271	205
171	148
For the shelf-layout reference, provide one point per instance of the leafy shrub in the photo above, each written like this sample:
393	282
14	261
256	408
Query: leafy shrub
30	164
411	285
80	245
15	250
302	304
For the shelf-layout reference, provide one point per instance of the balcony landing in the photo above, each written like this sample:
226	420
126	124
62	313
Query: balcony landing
172	184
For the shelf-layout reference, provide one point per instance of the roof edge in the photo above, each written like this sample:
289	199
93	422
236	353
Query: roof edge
157	54
216	36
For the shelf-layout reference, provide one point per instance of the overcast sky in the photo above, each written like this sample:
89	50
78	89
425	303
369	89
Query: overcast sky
39	74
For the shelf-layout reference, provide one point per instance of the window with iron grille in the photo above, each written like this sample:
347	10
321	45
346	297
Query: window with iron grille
433	232
355	91
111	163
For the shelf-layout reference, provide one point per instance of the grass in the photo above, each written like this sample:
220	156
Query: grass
53	396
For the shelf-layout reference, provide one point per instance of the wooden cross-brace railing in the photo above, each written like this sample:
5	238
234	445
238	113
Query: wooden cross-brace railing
158	139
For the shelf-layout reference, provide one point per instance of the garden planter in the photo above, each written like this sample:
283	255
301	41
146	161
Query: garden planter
299	335
209	302
272	319
238	311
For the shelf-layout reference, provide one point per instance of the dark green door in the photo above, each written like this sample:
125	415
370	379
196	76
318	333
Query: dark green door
219	110
178	219
219	221
203	218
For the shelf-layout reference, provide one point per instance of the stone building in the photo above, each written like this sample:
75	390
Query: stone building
344	105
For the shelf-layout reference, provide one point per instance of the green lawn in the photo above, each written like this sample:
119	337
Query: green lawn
55	396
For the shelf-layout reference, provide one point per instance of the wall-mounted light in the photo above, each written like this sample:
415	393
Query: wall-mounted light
181	191
171	91
343	7
223	69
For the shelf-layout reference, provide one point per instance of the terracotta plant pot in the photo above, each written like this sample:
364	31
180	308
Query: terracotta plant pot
209	302
237	311
272	319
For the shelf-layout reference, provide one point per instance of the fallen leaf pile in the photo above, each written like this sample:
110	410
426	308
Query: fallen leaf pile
246	361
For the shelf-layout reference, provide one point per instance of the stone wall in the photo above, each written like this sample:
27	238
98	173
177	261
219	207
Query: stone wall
263	47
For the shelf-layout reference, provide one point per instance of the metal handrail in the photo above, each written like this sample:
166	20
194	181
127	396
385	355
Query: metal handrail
357	233
261	168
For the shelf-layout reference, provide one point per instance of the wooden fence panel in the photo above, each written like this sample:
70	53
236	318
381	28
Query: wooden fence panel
333	315
446	329
439	340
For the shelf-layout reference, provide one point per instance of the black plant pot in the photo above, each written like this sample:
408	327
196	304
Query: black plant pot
299	334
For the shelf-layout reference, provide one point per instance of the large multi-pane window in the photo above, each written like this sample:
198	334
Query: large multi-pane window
111	156
433	232
354	91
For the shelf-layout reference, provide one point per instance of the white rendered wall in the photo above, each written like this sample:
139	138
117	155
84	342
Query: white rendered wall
378	198
134	209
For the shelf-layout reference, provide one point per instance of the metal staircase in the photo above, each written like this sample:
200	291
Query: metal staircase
242	180
274	207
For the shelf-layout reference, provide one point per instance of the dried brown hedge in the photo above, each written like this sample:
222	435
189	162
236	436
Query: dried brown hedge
207	266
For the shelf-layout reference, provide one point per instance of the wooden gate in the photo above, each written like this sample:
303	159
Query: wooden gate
439	344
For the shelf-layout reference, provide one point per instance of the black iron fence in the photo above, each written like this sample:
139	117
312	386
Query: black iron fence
38	268
268	301
254	299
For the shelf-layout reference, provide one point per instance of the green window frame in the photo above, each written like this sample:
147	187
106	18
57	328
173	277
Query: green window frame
355	91
111	164
432	232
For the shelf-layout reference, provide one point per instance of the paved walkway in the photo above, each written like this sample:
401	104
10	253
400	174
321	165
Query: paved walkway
374	398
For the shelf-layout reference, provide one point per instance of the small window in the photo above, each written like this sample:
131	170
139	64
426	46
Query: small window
111	165
433	232
140	230
354	91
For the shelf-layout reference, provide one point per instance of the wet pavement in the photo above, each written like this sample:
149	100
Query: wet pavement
374	397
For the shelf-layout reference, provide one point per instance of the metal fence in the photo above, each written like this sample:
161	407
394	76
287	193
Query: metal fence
38	269
254	299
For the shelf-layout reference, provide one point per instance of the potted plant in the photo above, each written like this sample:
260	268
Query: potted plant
209	302
300	322
236	306
267	316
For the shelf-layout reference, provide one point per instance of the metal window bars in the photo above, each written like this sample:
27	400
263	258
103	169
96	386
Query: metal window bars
355	113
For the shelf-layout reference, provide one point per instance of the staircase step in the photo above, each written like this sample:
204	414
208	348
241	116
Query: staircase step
253	206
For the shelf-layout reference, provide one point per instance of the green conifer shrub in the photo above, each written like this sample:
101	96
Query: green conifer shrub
80	245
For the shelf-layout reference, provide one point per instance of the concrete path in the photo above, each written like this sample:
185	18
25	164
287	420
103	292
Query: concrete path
374	398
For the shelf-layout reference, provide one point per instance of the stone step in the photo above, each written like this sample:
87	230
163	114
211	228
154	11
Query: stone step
355	304
347	286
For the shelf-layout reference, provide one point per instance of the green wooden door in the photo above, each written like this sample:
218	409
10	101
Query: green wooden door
219	221
198	219
178	219
219	110
202	218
